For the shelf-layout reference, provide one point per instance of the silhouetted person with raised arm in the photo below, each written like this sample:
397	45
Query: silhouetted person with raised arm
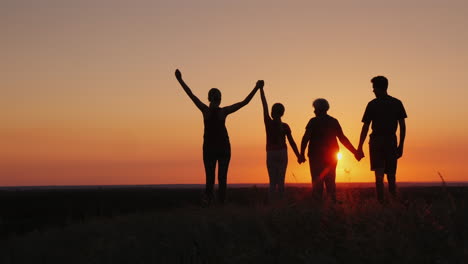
216	145
385	113
277	150
321	135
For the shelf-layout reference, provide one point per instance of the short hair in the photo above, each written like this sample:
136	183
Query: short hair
380	82
277	110
321	105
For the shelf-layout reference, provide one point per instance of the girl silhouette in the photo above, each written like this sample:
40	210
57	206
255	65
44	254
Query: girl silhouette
277	150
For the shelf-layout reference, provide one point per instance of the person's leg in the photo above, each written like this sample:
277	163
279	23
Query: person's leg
317	180
391	183
223	165
377	161
271	171
391	167
283	164
330	181
210	165
379	184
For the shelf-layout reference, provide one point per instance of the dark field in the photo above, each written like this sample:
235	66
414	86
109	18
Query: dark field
148	225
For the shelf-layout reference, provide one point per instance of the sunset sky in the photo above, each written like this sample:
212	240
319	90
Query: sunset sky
89	97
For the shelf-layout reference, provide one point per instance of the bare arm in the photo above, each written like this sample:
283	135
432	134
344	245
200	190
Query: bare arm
362	138
305	141
233	108
293	145
266	116
345	141
200	105
402	124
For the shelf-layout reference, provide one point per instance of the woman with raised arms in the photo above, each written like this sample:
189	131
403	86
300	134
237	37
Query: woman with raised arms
216	145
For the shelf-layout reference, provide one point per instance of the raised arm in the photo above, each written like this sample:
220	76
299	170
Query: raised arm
232	108
266	116
200	105
402	124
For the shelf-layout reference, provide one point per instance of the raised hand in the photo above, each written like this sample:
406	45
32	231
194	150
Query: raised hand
178	74
260	84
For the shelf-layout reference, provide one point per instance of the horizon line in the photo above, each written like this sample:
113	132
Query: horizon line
233	185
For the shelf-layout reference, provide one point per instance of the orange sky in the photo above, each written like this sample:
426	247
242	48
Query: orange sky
89	94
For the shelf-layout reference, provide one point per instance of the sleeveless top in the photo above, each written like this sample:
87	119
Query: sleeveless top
276	135
215	137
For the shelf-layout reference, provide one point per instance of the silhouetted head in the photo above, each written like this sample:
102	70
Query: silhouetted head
321	106
277	111
214	97
380	85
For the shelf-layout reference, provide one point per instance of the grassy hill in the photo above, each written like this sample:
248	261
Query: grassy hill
424	225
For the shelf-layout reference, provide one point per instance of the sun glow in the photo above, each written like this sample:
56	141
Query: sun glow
339	156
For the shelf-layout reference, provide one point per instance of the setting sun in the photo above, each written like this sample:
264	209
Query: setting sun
339	155
90	95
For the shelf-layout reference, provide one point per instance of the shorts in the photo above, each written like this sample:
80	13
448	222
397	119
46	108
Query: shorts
383	154
216	154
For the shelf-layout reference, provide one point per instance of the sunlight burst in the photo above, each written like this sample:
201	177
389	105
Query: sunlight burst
339	155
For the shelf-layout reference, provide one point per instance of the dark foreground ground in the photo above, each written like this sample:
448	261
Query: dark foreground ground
147	225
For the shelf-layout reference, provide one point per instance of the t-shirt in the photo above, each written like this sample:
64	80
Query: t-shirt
384	114
276	134
323	143
215	136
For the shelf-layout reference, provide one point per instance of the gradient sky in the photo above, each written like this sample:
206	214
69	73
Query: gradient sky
89	94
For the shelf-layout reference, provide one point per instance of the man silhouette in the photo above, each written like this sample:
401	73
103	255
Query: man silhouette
385	113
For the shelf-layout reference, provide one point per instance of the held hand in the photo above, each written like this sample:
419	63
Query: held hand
301	159
399	152
359	154
178	75
260	84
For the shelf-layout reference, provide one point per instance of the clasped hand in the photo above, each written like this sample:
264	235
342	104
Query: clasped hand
301	159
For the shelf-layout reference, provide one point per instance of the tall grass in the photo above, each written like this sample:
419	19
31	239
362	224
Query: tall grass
423	226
